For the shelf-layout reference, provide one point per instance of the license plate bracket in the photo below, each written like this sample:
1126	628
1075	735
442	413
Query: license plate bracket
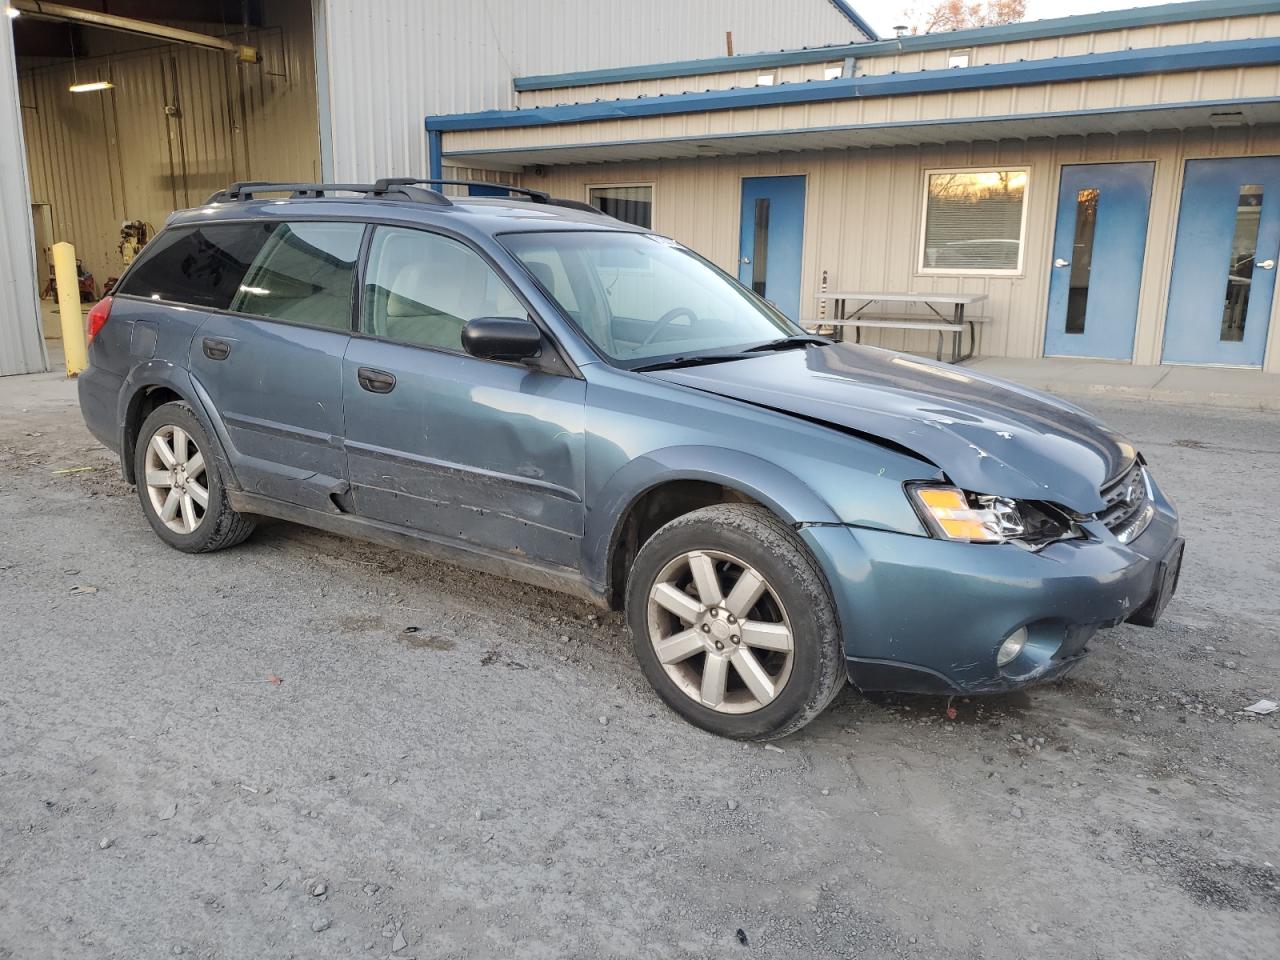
1166	585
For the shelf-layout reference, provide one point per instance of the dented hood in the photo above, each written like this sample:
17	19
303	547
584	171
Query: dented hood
987	435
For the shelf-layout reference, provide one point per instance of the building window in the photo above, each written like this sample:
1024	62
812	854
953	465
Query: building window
974	221
834	72
764	80
629	202
958	58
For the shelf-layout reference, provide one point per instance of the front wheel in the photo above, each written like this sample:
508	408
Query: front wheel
733	623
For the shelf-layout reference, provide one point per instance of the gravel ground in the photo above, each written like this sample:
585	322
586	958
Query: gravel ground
310	747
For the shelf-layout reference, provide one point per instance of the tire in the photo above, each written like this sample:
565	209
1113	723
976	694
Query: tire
216	526
664	608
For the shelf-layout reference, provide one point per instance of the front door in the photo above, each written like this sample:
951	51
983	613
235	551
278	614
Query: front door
1224	262
480	453
771	240
1098	248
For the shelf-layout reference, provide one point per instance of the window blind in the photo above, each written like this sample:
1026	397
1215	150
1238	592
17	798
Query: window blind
973	220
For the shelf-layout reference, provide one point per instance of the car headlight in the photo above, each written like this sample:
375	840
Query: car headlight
953	514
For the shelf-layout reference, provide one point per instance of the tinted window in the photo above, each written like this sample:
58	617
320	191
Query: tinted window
201	266
303	274
423	288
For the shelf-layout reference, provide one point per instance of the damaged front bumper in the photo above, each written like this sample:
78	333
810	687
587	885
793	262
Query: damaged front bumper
922	615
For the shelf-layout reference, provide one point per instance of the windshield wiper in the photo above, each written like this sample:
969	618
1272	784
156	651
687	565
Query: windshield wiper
696	360
787	343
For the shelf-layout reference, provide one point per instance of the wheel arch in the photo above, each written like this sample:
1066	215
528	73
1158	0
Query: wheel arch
662	485
151	385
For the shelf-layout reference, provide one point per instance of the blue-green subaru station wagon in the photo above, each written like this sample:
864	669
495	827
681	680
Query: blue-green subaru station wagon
538	391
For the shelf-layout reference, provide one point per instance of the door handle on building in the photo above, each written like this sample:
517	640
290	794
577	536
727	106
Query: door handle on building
746	259
1267	264
1061	263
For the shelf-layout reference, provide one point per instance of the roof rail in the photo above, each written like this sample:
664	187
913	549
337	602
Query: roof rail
406	190
387	183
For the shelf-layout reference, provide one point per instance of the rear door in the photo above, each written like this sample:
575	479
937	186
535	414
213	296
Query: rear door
482	453
271	362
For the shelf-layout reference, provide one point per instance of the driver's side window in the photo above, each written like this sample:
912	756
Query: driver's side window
422	288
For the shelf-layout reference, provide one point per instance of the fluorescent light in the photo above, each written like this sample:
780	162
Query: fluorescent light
91	87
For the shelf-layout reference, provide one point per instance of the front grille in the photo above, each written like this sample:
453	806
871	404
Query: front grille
1128	507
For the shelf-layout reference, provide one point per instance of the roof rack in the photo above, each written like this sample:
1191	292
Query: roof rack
248	189
537	196
403	188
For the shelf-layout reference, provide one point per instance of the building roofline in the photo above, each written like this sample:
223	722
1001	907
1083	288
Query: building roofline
855	18
1004	33
935	124
1092	66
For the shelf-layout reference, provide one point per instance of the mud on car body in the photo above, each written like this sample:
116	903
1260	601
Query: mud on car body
531	388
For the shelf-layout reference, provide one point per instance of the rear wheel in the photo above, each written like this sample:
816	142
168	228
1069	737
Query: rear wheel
733	623
179	486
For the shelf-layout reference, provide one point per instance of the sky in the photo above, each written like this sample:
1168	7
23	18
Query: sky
884	16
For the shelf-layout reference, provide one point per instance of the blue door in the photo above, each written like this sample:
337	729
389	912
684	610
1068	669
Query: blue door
1098	247
771	239
1224	262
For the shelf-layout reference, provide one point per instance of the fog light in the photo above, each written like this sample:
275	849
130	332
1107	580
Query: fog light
1011	647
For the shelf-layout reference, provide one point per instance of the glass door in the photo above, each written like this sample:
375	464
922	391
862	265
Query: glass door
1098	250
1224	262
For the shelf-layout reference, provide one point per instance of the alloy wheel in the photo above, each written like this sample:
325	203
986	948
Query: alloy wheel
720	632
176	479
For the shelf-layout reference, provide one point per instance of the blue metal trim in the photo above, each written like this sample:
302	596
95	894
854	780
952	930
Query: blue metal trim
838	128
852	16
1093	66
435	154
1004	33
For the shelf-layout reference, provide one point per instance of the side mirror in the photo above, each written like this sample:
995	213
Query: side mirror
502	338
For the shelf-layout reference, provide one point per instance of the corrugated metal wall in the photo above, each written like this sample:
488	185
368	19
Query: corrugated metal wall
21	346
863	220
391	63
180	123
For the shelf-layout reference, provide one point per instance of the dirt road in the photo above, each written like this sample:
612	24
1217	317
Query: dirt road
455	767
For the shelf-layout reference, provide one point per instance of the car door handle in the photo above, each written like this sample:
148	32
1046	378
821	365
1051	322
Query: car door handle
216	349
376	381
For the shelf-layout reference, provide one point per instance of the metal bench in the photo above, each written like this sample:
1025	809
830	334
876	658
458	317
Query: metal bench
942	328
942	325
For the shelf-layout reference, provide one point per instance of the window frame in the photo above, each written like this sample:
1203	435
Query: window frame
653	199
1016	271
261	318
554	361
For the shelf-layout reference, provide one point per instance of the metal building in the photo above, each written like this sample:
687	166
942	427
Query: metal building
337	88
1103	186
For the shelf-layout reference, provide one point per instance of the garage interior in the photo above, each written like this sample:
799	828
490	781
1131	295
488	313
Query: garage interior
123	126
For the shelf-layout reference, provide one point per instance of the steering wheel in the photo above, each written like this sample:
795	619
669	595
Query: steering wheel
665	321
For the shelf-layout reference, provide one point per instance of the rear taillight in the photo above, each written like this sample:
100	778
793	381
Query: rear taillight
99	316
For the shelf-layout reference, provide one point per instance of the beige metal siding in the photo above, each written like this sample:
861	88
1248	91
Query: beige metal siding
100	159
863	214
21	346
1139	38
1111	94
391	63
1234	28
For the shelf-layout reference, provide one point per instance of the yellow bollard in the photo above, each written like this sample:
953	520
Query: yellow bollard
68	283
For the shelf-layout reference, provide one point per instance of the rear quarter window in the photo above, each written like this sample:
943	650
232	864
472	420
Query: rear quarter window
202	266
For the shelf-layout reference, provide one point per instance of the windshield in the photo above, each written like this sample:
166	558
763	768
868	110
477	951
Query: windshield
638	296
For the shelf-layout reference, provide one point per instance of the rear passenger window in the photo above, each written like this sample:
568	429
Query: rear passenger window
303	274
422	288
201	266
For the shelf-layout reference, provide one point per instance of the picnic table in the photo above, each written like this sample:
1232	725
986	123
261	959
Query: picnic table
949	309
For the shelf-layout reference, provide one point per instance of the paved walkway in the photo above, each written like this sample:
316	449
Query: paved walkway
1199	386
